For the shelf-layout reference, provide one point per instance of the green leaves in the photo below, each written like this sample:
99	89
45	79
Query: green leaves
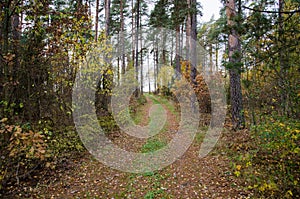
269	161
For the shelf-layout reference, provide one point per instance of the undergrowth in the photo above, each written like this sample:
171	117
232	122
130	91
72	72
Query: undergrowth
269	161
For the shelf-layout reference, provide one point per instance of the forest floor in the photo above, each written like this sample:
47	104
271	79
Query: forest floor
82	176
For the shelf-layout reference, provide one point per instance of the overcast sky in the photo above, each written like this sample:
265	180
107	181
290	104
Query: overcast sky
209	8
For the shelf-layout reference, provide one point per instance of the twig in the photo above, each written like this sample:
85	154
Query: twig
17	174
272	12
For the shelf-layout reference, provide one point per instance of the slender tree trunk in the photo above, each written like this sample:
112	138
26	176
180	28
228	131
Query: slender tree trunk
177	57
210	58
96	20
172	52
157	66
237	114
107	76
142	75
122	37
107	17
137	20
154	68
5	36
133	33
181	41
217	56
283	96
1	61
16	39
118	70
149	83
188	30
193	49
193	46
164	52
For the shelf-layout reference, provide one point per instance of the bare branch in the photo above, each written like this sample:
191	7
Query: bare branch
272	12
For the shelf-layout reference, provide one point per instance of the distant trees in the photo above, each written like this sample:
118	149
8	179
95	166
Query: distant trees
43	42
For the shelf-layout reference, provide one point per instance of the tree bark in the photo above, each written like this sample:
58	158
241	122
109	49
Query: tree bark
188	30
177	57
107	76
282	64
137	20
96	20
133	33
234	46
107	17
141	65
16	40
122	37
193	39
149	83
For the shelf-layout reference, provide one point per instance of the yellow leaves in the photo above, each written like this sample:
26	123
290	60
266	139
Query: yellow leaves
296	150
248	164
295	182
238	167
110	72
165	75
237	173
289	192
295	137
271	186
3	120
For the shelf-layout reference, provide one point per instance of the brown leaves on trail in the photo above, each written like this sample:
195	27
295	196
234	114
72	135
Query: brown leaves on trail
188	177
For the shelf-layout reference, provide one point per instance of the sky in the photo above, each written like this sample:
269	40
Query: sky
209	8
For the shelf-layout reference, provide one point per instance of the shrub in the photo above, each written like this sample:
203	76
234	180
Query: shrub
271	162
22	151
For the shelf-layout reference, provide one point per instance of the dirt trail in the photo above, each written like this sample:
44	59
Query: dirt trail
188	177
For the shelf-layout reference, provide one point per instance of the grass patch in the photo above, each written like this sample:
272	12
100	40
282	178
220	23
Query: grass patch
166	102
153	145
199	137
138	115
154	99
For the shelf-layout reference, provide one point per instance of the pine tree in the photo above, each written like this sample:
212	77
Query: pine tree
235	67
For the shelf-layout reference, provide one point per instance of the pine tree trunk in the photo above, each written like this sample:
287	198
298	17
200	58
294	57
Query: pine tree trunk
16	40
149	83
96	20
5	45
107	77
177	57
210	58
283	93
133	33
107	17
188	30
193	46
137	21
122	37
237	114
141	65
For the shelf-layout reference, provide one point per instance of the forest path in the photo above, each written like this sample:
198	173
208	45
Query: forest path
188	177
